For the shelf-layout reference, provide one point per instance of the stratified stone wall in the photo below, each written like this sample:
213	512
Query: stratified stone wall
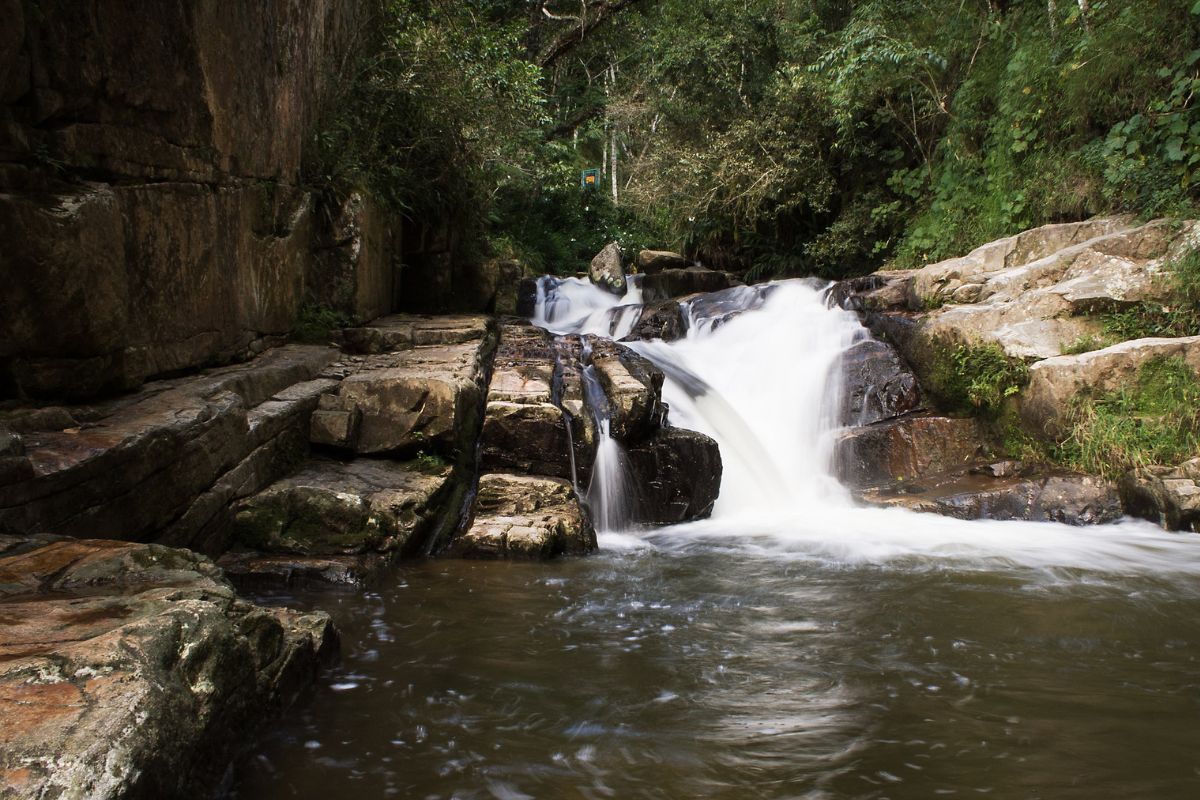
151	209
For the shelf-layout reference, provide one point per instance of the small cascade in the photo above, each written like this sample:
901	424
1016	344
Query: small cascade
575	305
607	492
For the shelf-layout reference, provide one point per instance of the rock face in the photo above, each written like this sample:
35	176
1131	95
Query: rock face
331	508
607	269
133	670
419	388
526	517
675	476
1169	496
663	320
173	231
652	261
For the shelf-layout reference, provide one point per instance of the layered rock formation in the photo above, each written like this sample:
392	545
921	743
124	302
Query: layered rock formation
1030	297
133	670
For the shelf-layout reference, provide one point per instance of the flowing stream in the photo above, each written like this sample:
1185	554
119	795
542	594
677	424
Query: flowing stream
792	646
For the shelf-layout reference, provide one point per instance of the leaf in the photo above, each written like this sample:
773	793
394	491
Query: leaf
1196	8
1174	149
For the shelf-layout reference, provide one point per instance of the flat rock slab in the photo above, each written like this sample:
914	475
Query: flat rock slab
133	670
406	331
525	517
335	508
1071	499
251	571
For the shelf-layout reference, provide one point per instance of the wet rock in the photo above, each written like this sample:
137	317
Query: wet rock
1070	499
663	320
607	269
633	389
906	449
1056	383
527	297
1000	469
876	384
671	283
523	430
675	477
137	467
525	517
134	670
252	571
652	261
330	508
1169	496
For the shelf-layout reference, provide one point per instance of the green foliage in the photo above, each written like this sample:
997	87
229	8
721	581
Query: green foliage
316	324
430	463
1155	421
976	378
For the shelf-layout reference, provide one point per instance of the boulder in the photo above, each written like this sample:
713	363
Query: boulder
525	517
672	283
607	269
675	476
524	429
1169	496
251	571
652	261
333	508
133	670
1055	383
907	450
1071	499
876	384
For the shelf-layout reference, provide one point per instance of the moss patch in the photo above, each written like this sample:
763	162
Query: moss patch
976	379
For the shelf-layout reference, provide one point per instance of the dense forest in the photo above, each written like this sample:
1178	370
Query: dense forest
775	136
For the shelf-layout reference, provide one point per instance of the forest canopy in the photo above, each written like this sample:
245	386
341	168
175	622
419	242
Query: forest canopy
775	136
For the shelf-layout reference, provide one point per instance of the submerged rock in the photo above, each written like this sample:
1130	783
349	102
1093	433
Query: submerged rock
133	670
525	517
607	269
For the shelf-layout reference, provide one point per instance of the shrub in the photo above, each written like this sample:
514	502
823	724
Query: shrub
976	378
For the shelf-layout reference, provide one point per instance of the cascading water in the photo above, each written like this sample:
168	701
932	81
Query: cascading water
607	492
759	371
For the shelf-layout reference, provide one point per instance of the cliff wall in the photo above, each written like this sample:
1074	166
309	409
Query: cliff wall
152	211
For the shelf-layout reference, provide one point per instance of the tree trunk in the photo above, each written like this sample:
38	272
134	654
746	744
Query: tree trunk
1085	14
1052	13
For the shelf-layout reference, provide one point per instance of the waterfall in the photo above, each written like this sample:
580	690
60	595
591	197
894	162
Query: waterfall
607	492
764	385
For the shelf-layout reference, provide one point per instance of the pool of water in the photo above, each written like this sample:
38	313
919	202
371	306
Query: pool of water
687	664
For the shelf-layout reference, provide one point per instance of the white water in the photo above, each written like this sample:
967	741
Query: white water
764	385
